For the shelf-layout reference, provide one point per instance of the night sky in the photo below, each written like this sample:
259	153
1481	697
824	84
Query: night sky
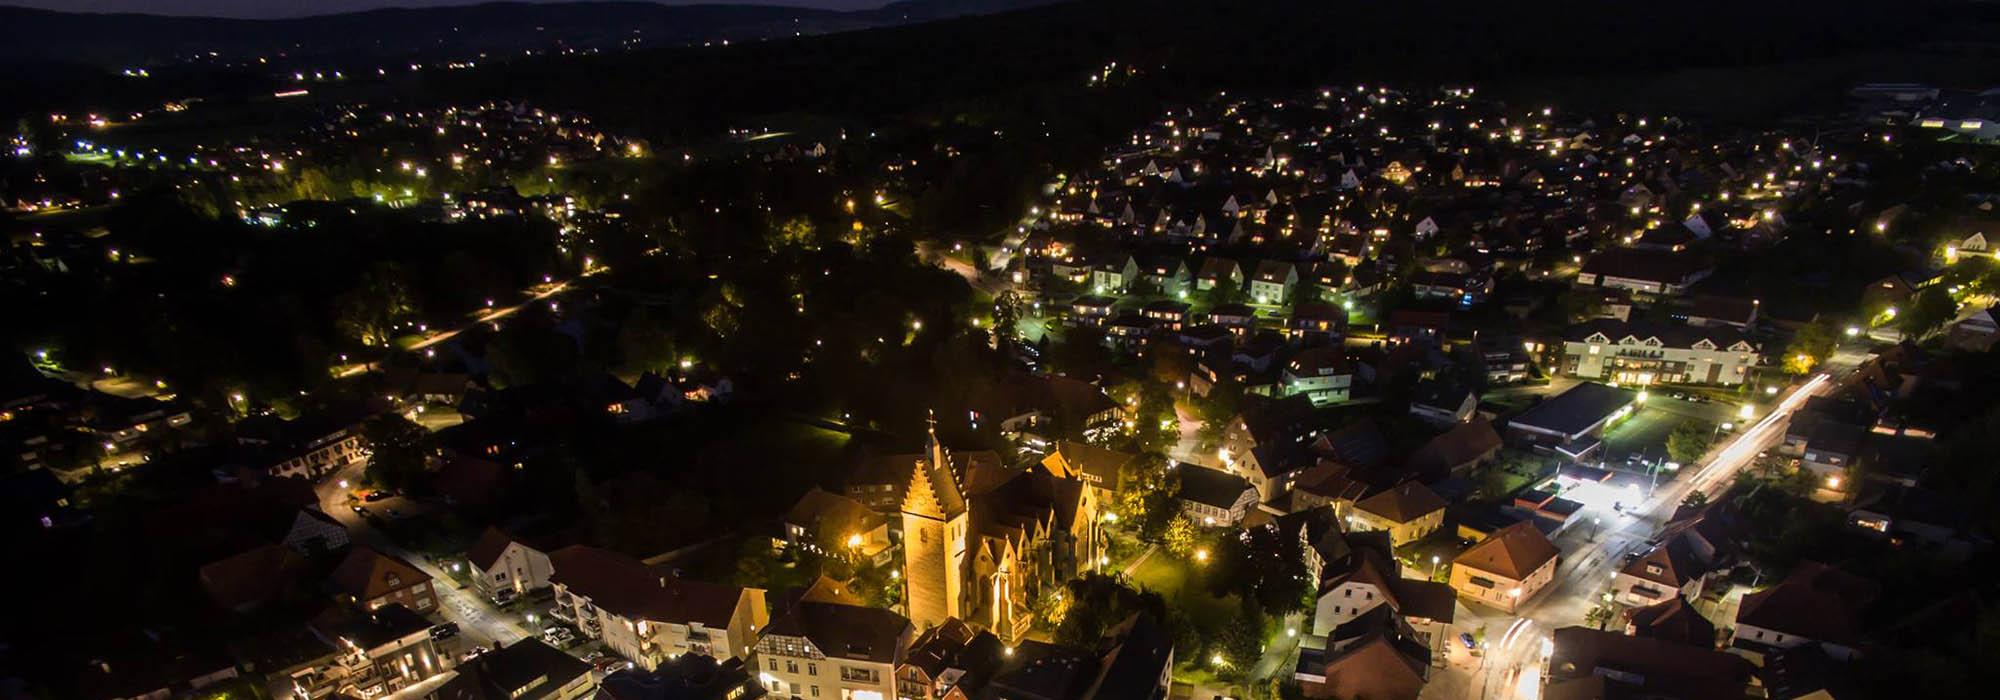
299	8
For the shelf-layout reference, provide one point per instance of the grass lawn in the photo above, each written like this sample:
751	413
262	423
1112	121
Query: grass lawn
1177	581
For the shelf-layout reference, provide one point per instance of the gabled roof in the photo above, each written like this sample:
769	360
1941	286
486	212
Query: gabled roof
1375	668
1815	601
1457	447
1674	620
1074	459
628	588
1211	487
1402	503
367	574
1673	559
845	631
486	552
1513	552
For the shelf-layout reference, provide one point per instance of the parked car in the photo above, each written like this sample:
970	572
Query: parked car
505	596
1466	639
610	664
473	652
362	511
377	495
558	636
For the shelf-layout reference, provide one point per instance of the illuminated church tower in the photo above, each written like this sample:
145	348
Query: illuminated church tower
934	538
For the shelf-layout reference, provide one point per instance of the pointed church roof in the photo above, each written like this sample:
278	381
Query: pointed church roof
934	487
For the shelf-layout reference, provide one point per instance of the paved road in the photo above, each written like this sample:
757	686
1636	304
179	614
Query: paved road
476	618
1591	553
484	316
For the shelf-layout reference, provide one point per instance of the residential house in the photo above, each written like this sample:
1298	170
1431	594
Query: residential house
1643	272
380	651
500	561
1715	311
684	677
1266	443
1674	620
1214	497
1443	403
1585	663
1219	272
1366	577
647	616
1238	318
1830	453
1099	468
1164	274
1457	450
1507	568
1371	662
1166	314
1317	323
1407	511
1322	374
1093	310
837	525
832	650
1464	290
524	670
1814	604
1413	326
1640	355
370	579
1974	333
1114	275
1273	281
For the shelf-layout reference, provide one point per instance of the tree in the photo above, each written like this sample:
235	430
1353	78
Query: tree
1811	344
1929	311
1695	499
400	450
1006	316
1688	442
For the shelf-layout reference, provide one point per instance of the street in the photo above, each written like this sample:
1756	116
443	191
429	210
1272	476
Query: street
476	617
1592	552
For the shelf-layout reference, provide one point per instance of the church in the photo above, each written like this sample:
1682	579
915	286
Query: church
981	541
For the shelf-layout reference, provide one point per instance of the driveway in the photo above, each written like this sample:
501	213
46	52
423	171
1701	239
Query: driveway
456	602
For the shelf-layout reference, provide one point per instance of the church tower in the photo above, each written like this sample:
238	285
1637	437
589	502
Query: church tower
934	538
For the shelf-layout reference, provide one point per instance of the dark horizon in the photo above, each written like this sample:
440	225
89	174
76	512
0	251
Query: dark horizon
287	9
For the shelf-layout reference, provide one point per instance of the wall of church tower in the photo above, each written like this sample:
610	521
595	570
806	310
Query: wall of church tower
932	571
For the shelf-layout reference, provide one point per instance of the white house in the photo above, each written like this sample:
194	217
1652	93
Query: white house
500	561
1639	354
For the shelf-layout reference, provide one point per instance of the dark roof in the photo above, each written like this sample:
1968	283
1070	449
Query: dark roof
1815	601
1430	600
1574	411
1461	445
683	677
1210	487
1137	659
367	574
486	552
628	588
1663	668
1674	620
525	670
1650	266
1669	335
1402	503
1730	309
846	631
1442	395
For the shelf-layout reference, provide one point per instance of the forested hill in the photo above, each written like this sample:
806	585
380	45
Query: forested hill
1043	55
462	32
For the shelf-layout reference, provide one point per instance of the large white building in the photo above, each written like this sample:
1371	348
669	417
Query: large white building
1639	355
